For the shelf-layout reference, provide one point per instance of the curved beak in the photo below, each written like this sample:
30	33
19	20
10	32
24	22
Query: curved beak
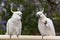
38	16
20	15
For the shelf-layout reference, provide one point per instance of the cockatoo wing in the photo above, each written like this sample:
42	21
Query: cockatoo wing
50	26
8	26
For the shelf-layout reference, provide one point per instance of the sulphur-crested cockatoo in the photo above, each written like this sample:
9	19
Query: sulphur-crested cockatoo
45	25
14	24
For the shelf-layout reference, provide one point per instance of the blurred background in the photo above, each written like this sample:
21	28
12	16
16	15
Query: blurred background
29	9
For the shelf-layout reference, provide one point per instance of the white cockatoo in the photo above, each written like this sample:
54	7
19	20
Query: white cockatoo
45	25
14	24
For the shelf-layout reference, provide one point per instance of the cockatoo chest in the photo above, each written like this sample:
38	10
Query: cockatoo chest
16	23
41	24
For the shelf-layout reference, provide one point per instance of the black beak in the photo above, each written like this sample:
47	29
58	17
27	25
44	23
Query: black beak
20	15
38	16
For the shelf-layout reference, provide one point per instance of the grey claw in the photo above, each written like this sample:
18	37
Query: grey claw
17	35
10	35
42	36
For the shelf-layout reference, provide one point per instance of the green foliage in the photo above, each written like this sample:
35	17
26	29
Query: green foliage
2	31
29	19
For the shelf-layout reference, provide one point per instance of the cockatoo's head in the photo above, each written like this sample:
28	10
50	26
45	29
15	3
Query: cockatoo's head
40	14
17	15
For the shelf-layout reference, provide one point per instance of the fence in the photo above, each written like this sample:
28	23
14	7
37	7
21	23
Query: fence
28	37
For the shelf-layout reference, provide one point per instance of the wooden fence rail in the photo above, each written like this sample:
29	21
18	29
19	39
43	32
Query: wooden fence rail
28	37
